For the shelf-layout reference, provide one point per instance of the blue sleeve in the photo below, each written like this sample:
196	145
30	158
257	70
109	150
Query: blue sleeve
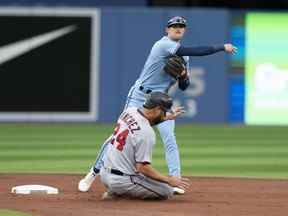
183	83
199	51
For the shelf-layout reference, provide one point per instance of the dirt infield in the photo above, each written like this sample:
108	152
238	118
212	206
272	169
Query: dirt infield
208	196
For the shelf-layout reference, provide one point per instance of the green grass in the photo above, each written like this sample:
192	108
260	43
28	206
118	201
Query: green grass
4	212
205	150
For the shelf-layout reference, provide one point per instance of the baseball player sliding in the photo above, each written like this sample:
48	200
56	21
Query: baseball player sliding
127	169
165	66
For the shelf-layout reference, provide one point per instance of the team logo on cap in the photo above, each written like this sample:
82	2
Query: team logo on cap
177	20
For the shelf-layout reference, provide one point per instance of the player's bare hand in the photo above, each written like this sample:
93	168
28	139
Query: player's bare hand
230	48
182	183
176	112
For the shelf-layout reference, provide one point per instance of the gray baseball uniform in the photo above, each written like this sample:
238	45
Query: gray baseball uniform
131	143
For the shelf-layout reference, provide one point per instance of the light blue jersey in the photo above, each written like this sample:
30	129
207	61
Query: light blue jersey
152	77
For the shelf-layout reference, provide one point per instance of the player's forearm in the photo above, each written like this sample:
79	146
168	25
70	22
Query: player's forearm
150	172
199	50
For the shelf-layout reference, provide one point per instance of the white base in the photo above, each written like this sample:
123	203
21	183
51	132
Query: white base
30	189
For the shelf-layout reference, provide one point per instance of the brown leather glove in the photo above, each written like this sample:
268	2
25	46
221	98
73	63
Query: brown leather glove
176	67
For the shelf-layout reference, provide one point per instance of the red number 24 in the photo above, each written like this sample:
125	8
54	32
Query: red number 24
120	137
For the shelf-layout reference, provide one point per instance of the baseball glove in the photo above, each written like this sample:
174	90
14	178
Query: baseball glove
175	66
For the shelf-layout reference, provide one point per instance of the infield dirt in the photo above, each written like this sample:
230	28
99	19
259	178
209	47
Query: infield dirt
207	197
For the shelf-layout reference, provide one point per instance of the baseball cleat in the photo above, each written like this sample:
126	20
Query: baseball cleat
85	183
178	191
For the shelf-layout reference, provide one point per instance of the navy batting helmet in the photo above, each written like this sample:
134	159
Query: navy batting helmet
177	20
161	99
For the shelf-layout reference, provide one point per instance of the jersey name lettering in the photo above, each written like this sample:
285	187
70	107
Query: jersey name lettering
130	121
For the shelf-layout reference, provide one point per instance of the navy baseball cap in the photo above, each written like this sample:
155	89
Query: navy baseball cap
177	20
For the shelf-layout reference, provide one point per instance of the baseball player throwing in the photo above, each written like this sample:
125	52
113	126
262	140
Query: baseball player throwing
158	74
127	170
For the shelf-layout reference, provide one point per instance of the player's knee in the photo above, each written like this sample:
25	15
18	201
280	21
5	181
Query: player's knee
167	193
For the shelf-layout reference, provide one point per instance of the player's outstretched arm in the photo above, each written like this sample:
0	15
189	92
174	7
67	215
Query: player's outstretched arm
205	50
149	171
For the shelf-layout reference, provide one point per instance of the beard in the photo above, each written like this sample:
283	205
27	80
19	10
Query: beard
157	120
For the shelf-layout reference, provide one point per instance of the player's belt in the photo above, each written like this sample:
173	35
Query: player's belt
145	90
115	171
